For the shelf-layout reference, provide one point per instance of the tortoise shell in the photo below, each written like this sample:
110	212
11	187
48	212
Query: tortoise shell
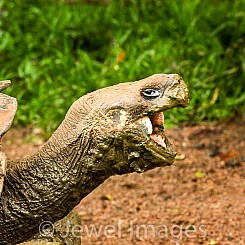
8	107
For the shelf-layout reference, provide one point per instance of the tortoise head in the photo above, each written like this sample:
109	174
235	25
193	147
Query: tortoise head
125	122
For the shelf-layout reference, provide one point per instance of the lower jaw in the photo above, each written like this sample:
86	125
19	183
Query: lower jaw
162	147
152	160
165	157
143	157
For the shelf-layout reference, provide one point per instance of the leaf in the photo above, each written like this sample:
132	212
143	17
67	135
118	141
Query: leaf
199	175
120	57
108	197
180	157
215	96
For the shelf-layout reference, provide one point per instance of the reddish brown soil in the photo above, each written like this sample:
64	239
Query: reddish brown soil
198	200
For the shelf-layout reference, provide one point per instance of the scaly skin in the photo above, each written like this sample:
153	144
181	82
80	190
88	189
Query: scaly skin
101	136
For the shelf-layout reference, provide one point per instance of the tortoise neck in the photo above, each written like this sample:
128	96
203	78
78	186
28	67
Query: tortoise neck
45	186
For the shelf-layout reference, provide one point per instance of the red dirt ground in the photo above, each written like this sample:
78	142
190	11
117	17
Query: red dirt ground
198	200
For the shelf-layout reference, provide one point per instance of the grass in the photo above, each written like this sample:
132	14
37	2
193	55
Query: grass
55	52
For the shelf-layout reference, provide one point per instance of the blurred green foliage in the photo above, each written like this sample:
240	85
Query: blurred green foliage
54	52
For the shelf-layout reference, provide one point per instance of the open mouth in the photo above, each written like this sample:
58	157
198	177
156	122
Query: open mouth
159	143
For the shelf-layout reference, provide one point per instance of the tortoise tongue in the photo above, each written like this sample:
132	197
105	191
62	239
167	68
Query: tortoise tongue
158	139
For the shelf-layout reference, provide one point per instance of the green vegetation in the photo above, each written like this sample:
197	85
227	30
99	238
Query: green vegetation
54	52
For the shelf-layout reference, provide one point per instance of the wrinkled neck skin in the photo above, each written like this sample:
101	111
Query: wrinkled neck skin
47	185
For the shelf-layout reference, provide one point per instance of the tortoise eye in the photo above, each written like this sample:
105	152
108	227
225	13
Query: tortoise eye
151	93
